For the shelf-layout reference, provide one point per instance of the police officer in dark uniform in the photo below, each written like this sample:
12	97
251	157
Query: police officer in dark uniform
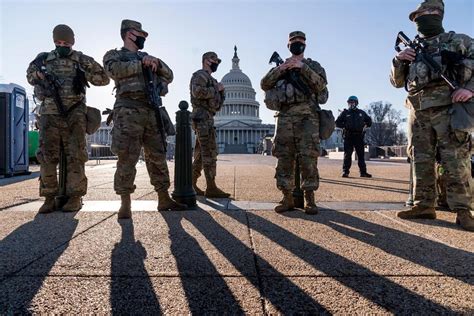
353	121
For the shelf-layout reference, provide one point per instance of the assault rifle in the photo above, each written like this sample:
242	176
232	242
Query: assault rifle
53	85
422	55
292	77
153	91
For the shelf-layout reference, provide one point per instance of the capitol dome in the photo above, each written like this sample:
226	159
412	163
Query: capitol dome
238	124
236	77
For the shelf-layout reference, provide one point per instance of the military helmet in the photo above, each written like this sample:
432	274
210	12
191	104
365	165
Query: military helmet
63	32
353	98
130	24
428	5
211	55
296	34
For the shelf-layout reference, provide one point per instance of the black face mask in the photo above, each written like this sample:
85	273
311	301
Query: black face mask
297	48
429	25
214	66
140	42
63	51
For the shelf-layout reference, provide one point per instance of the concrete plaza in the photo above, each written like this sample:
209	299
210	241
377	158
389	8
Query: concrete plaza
234	256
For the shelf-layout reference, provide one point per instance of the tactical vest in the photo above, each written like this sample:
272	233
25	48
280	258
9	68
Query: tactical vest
66	71
132	87
425	88
212	105
285	94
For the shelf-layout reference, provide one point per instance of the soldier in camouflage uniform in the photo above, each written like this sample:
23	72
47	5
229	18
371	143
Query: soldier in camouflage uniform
73	70
207	97
134	119
430	100
297	132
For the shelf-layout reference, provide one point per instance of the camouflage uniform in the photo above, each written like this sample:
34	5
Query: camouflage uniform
429	101
297	131
54	128
206	100
135	125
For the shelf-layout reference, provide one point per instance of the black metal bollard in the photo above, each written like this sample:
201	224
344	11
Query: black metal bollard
297	192
62	198
183	187
409	202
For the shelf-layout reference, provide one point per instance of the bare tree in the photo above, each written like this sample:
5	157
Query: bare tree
385	122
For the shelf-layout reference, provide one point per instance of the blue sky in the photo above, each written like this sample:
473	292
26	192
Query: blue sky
353	40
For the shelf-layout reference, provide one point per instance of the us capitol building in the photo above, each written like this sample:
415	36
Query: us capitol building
238	125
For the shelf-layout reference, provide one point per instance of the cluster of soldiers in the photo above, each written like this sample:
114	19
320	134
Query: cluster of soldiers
299	119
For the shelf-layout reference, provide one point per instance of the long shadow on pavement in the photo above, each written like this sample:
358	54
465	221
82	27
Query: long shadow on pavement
232	248
364	186
419	250
47	234
206	291
376	288
131	290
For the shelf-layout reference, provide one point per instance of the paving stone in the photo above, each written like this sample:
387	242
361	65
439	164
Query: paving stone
189	243
138	296
27	236
352	243
369	295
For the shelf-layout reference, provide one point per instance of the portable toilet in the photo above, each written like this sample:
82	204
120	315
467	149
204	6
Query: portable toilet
13	130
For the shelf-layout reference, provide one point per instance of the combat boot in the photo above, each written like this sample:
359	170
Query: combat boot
286	204
196	188
465	220
309	204
48	206
166	203
417	211
125	210
73	204
212	191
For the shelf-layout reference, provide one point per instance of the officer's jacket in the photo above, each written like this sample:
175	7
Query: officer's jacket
427	89
66	70
125	68
353	120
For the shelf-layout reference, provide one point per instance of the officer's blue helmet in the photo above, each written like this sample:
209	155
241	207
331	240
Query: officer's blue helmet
353	98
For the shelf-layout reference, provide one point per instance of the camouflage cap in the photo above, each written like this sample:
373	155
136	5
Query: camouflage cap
211	55
130	24
296	34
428	5
62	32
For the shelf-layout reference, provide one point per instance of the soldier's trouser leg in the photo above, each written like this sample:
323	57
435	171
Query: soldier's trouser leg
422	140
155	157
74	140
307	137
197	161
126	144
206	135
348	150
359	147
284	149
454	147
48	154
